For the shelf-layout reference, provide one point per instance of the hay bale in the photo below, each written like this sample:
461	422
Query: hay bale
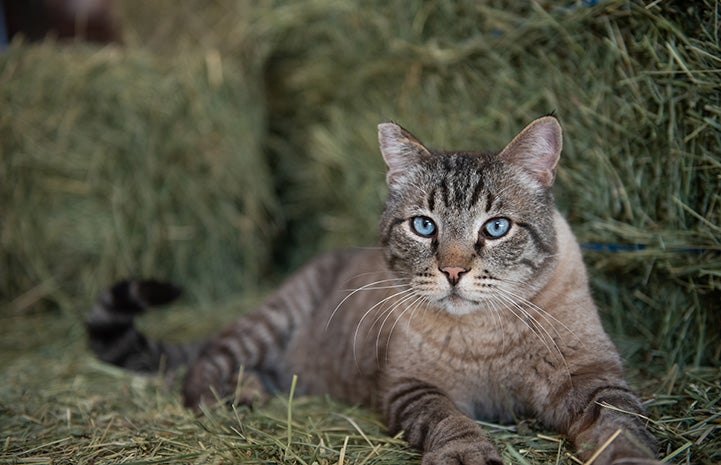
119	163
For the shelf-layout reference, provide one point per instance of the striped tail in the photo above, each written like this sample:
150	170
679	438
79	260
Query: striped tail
114	338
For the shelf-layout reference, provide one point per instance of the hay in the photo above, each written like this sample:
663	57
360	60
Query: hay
227	142
116	163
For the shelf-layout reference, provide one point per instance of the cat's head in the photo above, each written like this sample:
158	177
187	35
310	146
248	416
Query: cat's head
471	230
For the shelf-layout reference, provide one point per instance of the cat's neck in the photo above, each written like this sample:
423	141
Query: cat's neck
568	283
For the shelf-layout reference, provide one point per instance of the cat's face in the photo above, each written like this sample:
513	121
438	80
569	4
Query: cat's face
471	231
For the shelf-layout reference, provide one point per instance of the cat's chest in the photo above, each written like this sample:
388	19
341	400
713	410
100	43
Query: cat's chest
482	368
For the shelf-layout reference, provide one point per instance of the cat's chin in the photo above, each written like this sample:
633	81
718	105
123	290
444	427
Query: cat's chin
457	305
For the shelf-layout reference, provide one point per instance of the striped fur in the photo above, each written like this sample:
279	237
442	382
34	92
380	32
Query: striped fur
484	313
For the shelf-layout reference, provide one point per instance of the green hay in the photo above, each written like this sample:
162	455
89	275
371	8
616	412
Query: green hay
117	163
226	142
59	405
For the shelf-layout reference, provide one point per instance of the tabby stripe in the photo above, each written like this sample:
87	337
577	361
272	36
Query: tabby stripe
393	259
434	245
445	194
460	193
247	347
387	233
422	428
457	435
223	361
399	402
432	199
528	263
411	386
478	246
536	237
592	410
490	200
476	193
448	164
228	352
596	392
271	337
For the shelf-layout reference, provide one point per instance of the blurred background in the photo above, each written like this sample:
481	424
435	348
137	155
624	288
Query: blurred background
221	143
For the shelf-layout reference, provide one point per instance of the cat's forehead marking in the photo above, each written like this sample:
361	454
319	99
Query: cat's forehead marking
460	182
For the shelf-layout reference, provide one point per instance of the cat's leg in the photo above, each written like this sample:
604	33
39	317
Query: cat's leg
603	418
229	366
432	423
256	344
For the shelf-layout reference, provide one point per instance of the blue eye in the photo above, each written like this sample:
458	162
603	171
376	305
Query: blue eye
423	226
496	227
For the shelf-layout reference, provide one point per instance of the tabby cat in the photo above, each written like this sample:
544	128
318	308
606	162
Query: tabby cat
476	306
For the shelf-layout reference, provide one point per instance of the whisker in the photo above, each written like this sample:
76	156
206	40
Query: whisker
368	312
543	313
513	306
414	305
507	296
497	318
510	305
382	272
387	311
366	286
394	286
388	314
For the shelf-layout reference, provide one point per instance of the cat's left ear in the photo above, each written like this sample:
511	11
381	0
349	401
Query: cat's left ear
400	149
537	149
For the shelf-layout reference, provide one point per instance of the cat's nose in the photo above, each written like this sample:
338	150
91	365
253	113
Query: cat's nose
453	273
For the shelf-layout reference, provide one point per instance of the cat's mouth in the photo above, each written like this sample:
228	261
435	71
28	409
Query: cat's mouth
457	304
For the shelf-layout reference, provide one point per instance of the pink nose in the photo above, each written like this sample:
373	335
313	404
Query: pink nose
453	273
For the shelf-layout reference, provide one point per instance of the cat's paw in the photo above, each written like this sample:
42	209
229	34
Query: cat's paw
204	385
479	452
628	449
248	390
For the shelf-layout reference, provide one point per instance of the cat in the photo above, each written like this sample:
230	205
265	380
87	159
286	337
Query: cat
476	305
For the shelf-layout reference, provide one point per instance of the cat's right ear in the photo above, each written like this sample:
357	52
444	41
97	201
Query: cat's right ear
400	150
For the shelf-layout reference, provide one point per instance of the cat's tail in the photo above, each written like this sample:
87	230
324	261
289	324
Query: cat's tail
114	337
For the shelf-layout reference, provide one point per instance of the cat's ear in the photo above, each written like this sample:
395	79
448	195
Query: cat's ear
537	149
400	150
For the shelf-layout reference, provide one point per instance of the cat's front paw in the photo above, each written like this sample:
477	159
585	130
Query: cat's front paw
463	452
